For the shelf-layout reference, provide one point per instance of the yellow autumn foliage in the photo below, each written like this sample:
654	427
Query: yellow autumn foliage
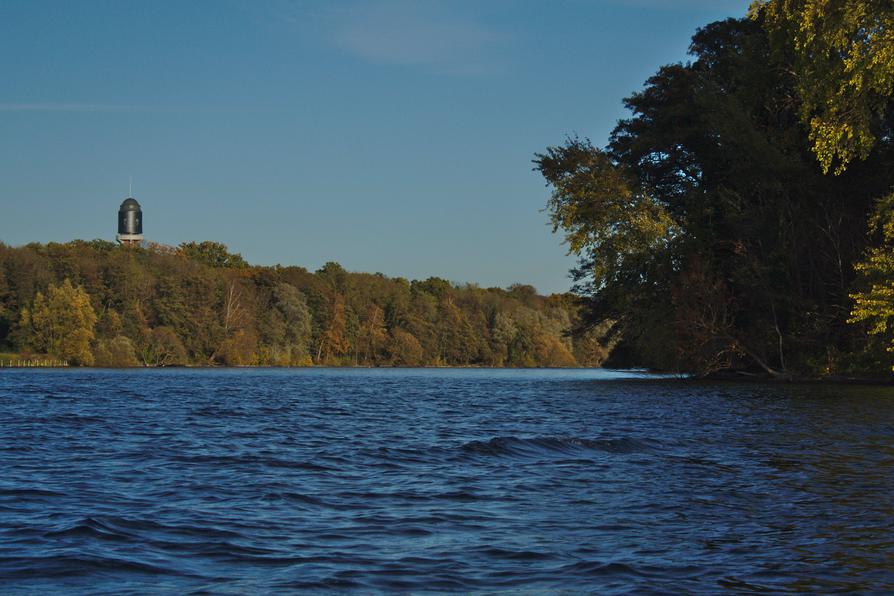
874	305
844	66
61	323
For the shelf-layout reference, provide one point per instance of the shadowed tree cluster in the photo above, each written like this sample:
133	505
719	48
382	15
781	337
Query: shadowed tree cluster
724	224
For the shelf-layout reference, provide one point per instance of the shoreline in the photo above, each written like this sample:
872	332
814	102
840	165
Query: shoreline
721	377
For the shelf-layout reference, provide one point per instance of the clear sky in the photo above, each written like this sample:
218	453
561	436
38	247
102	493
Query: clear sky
390	136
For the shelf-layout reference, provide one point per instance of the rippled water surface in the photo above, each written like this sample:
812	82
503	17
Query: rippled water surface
440	480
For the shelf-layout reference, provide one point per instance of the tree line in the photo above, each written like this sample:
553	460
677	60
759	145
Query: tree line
741	217
97	303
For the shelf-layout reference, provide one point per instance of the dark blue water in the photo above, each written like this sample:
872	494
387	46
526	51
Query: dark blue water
240	481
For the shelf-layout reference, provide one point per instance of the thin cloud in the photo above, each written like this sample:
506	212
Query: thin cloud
417	34
100	107
62	107
677	4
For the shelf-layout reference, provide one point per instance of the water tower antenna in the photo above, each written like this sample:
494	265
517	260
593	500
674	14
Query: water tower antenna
130	187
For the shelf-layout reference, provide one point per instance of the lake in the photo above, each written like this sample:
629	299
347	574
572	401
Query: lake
254	480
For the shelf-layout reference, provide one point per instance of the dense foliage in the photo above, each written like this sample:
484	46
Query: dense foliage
95	302
844	64
711	233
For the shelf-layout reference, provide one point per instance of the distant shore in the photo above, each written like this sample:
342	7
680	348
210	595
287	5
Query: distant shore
722	377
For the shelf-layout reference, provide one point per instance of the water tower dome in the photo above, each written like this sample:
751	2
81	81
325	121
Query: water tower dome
130	222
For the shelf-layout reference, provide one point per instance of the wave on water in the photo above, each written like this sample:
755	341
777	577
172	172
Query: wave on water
90	528
44	567
512	446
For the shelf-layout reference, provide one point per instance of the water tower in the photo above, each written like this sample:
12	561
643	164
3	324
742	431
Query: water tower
130	223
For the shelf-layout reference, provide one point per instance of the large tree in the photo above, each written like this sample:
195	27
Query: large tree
843	66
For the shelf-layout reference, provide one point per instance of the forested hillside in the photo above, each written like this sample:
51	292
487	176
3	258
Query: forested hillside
106	305
741	217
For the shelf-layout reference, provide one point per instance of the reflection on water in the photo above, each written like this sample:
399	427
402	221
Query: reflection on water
456	480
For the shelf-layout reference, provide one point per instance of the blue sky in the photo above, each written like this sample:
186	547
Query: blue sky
390	136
